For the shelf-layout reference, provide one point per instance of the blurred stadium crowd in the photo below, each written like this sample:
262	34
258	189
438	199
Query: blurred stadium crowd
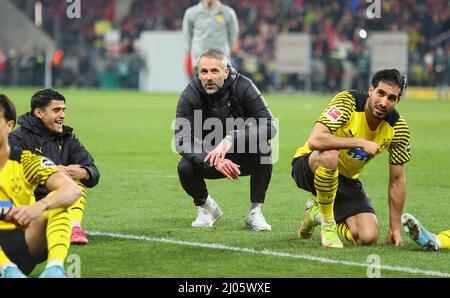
340	55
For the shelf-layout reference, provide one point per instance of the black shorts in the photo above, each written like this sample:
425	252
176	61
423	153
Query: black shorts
351	199
16	249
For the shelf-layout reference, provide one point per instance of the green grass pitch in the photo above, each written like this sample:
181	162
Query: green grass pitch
129	134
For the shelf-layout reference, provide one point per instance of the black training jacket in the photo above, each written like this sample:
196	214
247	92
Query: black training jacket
64	148
238	98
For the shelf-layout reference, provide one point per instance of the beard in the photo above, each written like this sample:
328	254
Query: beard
374	108
218	85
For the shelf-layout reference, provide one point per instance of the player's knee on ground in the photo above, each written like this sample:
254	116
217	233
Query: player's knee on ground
366	236
329	159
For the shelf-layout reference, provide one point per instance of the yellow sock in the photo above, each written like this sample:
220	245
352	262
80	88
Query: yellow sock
326	184
59	229
76	211
344	231
3	258
444	239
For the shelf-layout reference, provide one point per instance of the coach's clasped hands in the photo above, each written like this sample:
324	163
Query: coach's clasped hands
217	160
229	169
218	154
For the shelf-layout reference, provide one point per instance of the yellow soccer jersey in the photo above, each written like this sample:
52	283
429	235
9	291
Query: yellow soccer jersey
22	173
345	117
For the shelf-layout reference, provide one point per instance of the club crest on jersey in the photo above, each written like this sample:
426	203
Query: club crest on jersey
16	187
219	18
333	114
45	162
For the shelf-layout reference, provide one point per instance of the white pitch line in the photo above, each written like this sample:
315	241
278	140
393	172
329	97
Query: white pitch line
160	176
269	253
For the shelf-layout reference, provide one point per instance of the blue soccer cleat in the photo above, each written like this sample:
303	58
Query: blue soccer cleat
53	272
412	227
13	272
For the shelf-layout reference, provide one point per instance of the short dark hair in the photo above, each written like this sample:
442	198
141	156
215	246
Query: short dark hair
42	98
392	77
9	110
217	54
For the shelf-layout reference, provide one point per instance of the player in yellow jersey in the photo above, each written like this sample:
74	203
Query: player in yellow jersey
31	232
425	239
355	127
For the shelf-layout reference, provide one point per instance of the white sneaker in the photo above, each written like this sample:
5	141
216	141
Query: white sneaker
256	221
207	216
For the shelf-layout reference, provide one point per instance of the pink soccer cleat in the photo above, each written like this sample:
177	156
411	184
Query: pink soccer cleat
79	236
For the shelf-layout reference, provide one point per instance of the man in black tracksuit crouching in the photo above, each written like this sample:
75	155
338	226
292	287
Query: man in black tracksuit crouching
222	130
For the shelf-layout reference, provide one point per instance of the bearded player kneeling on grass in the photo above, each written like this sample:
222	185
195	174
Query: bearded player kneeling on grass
355	127
31	232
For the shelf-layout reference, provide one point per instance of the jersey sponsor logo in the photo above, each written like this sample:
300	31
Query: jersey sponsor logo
357	154
333	114
5	207
408	148
45	162
7	203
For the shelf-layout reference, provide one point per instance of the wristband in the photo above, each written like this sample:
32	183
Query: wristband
229	138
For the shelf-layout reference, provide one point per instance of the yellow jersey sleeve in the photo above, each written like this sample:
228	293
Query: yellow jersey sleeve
338	111
399	148
37	168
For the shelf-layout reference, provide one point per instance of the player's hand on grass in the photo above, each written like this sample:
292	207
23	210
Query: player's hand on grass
229	169
394	238
218	154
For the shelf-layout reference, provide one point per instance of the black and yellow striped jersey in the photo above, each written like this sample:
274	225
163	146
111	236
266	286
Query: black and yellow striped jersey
22	173
345	117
